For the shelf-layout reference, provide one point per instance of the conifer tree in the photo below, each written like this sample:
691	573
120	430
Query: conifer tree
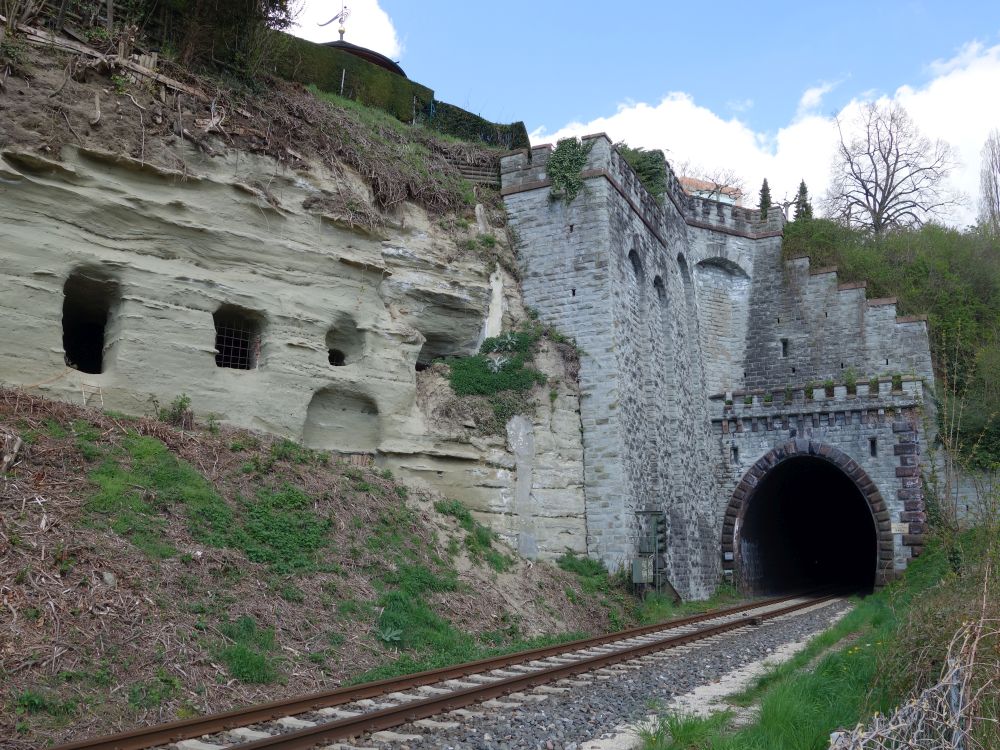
803	206
765	199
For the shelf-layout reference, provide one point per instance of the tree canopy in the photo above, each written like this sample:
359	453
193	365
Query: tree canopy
886	174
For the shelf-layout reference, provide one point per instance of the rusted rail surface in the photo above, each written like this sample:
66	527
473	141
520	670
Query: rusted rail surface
163	734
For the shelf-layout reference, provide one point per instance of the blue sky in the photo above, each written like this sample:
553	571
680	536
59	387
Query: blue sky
749	86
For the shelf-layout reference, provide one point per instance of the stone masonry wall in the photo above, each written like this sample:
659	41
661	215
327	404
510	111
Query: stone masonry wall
610	271
848	423
674	303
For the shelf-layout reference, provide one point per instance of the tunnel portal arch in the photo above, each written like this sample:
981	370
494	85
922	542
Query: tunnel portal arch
776	539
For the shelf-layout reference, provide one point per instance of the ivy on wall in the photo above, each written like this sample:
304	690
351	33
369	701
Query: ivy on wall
565	166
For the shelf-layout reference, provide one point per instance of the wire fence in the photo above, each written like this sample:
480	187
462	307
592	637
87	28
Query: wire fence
949	715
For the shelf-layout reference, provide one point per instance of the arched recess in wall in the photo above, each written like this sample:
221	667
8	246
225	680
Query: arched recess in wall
662	340
90	319
723	292
682	265
345	344
339	420
645	487
807	515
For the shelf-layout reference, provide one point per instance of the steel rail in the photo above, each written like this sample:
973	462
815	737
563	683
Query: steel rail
305	739
146	737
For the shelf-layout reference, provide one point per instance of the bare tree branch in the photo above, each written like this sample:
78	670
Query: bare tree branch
889	175
989	184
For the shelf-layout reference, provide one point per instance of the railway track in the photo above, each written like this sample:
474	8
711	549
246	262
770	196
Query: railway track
319	719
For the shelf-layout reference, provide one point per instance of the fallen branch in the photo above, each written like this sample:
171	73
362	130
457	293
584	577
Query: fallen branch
71	128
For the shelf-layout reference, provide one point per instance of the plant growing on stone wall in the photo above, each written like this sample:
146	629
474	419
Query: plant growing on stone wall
810	387
499	371
649	166
768	398
897	382
788	394
851	381
873	386
748	400
828	387
565	166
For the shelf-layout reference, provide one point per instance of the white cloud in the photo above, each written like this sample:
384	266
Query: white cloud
740	105
958	105
813	97
368	25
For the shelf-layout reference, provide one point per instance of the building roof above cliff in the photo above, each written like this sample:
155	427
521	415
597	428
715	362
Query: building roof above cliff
370	55
706	189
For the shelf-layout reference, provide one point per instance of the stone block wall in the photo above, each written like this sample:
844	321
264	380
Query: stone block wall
882	432
806	327
611	271
673	302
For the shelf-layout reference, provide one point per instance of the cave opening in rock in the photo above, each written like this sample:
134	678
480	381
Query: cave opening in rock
345	344
237	337
89	300
806	526
439	346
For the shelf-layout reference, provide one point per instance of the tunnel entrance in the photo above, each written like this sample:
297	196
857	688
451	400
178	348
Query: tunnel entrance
806	525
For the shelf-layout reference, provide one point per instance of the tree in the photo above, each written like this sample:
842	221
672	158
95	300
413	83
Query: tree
765	199
803	206
888	175
989	184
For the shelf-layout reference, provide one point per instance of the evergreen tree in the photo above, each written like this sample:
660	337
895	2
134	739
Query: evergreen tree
803	206
765	199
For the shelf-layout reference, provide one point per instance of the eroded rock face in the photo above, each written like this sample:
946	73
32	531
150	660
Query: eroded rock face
527	484
129	284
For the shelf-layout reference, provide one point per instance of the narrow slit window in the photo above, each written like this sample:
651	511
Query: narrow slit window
237	338
873	447
784	347
734	454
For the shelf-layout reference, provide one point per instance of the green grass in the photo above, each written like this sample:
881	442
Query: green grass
279	528
144	480
155	692
248	652
38	702
135	488
478	538
502	378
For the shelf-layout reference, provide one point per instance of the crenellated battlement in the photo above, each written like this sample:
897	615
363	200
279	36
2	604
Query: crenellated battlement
525	170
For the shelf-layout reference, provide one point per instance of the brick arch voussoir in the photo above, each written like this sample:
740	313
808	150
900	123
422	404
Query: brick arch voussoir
803	447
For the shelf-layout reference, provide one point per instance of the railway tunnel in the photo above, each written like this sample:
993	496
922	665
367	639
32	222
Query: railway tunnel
806	524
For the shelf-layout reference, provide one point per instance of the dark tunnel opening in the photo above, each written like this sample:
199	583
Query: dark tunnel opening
88	301
807	526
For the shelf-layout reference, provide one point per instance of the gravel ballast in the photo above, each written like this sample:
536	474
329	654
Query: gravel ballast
563	721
